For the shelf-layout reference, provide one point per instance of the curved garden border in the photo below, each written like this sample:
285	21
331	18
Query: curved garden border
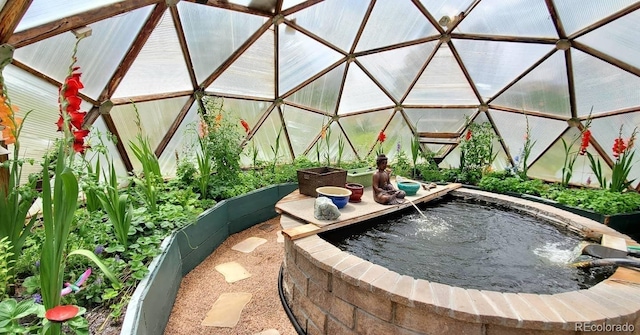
150	306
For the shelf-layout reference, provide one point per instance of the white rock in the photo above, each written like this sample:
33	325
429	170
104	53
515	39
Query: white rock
324	209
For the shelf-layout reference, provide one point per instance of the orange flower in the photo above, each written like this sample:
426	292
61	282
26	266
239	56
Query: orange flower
323	133
9	126
218	118
468	136
245	125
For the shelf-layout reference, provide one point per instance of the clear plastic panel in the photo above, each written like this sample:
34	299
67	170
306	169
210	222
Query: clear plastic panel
99	55
361	93
619	39
155	118
492	65
396	69
303	127
513	129
99	131
509	18
160	66
322	93
602	86
393	22
206	26
438	119
253	74
336	21
363	129
182	145
545	89
398	139
263	5
320	149
442	83
45	11
264	140
578	14
249	111
300	58
549	166
450	8
286	4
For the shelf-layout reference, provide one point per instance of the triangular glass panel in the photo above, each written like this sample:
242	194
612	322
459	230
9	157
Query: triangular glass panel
363	129
336	21
606	129
161	56
618	38
300	58
302	127
253	74
437	149
183	144
205	26
549	166
545	89
399	137
492	64
438	120
247	110
602	86
513	130
265	142
578	14
445	11
322	93
110	38
361	93
156	117
442	83
333	137
392	22
509	18
396	69
45	11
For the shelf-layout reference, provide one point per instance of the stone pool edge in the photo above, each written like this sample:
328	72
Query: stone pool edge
331	291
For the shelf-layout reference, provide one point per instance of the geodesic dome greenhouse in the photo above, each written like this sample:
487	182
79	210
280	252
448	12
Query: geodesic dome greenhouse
406	68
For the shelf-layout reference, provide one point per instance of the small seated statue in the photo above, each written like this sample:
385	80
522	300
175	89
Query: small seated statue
383	191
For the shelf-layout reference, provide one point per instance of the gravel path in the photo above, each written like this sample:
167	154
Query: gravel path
203	285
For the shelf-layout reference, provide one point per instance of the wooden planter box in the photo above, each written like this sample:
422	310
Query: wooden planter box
310	179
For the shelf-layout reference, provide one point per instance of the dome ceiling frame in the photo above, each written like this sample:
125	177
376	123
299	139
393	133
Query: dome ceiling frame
275	16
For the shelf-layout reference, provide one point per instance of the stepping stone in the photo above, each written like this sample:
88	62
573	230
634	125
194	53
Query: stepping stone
232	272
268	332
226	311
280	236
249	244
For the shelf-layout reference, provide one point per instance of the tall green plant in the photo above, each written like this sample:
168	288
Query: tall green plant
526	150
276	150
60	200
476	147
15	200
150	166
6	267
415	152
117	206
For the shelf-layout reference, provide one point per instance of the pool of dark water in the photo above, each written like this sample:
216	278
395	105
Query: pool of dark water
472	245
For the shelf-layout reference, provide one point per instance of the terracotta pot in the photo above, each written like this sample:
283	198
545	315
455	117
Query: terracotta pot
356	191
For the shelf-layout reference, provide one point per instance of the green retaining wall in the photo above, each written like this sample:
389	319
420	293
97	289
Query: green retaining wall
151	303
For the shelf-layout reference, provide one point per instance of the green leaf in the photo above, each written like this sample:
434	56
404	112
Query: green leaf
91	256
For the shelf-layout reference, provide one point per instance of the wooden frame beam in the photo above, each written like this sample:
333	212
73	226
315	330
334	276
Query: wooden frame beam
10	17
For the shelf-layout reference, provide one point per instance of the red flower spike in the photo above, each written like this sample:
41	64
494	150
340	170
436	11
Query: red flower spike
77	119
245	125
468	136
618	147
60	123
382	137
62	313
586	137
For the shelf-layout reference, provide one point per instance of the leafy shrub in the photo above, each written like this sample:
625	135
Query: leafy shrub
600	201
6	266
501	183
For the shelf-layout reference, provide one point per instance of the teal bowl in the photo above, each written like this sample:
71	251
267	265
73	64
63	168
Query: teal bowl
409	187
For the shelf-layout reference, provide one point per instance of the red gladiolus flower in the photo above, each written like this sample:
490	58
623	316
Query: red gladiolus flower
61	313
468	136
73	103
618	147
73	85
245	125
586	136
382	137
78	140
77	119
